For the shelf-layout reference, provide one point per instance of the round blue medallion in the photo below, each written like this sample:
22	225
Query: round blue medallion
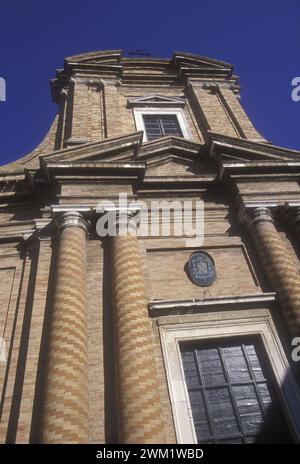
201	269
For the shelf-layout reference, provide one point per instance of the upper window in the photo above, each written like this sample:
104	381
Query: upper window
159	116
159	125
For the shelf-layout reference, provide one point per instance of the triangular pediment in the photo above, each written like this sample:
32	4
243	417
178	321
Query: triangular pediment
229	148
128	147
168	157
175	155
153	100
178	166
171	145
111	149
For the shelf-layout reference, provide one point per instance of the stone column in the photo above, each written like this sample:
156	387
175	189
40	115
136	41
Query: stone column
279	266
139	402
65	418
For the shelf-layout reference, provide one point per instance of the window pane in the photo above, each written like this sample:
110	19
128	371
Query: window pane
221	411
265	396
254	362
153	127
211	367
190	369
161	125
199	415
248	408
236	364
232	395
170	125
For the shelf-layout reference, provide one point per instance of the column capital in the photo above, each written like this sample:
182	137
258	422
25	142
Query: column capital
291	216
253	215
124	223
127	213
71	219
119	220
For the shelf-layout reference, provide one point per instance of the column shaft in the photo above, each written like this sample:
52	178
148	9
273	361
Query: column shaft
139	403
66	389
279	266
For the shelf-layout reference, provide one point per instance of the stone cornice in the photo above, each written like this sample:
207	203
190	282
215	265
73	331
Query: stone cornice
111	146
220	145
14	231
155	100
257	167
64	208
247	157
215	85
111	65
127	170
7	176
165	307
26	231
126	157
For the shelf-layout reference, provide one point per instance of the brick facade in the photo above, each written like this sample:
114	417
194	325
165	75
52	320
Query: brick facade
91	154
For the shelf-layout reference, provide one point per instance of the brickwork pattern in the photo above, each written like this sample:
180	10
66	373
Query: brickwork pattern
139	402
80	113
112	111
15	308
238	113
34	343
213	112
281	270
66	402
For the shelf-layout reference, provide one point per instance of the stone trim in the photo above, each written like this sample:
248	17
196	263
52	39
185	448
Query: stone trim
139	122
165	307
224	325
72	219
259	214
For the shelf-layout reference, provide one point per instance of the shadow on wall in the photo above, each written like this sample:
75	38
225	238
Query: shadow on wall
110	425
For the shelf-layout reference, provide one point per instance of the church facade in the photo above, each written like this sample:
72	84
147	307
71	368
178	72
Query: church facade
118	325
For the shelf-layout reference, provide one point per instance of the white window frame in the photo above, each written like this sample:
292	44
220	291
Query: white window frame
217	329
139	121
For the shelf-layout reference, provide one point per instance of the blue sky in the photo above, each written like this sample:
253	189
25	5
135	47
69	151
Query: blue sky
260	37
